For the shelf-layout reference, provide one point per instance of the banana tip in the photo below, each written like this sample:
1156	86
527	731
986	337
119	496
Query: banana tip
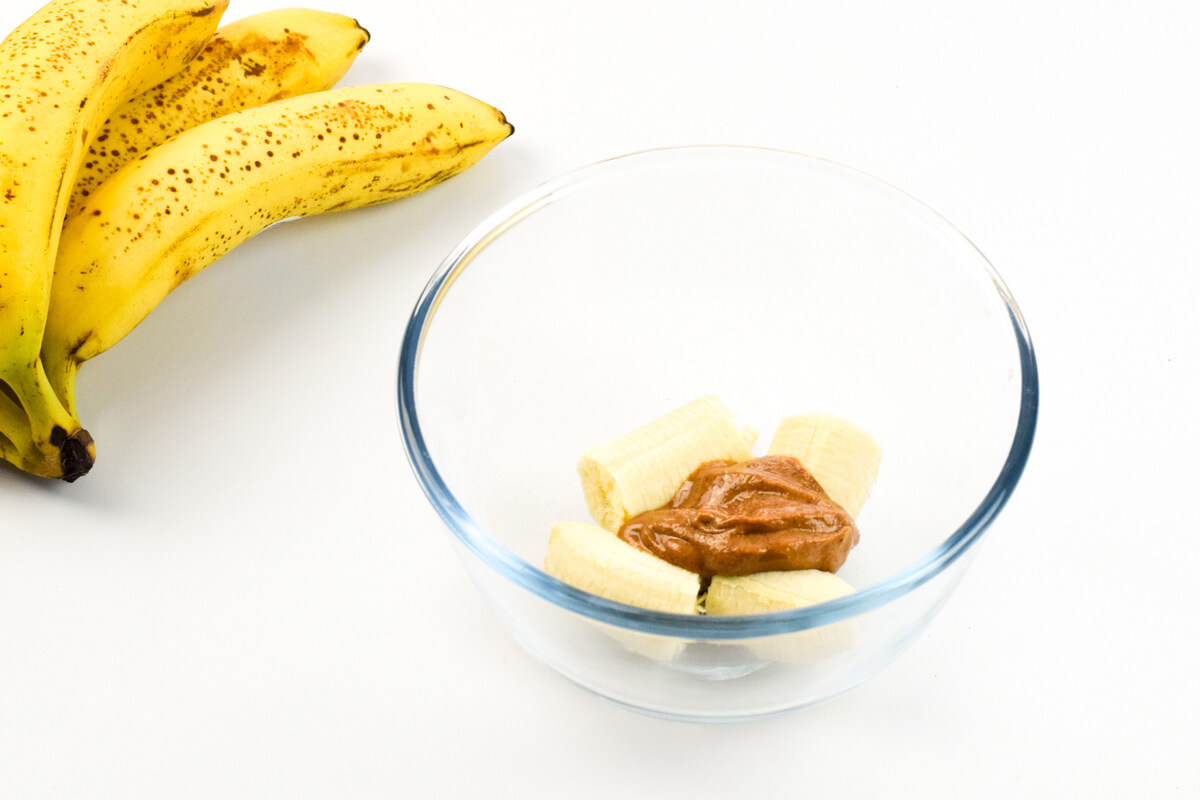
78	455
366	33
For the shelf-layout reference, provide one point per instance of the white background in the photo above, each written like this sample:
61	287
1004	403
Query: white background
248	597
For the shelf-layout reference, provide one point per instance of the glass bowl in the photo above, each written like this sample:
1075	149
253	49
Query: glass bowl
783	284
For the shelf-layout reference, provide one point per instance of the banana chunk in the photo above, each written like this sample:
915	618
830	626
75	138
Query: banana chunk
63	70
773	591
592	559
595	560
643	469
780	591
842	457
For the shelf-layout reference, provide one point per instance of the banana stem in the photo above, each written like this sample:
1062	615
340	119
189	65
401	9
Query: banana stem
46	413
16	437
61	370
9	451
64	449
14	425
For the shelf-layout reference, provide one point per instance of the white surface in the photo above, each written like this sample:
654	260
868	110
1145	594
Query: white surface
249	598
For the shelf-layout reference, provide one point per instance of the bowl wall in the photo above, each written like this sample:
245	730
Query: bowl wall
718	680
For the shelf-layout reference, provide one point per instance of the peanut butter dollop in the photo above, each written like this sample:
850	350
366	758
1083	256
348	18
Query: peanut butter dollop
762	515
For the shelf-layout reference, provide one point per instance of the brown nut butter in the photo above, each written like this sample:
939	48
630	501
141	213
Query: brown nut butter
761	515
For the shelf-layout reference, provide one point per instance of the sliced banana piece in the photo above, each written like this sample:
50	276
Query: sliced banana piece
779	591
842	457
643	469
593	559
647	645
773	591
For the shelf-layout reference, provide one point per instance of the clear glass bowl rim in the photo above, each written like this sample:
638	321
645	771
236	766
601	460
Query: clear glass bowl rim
499	558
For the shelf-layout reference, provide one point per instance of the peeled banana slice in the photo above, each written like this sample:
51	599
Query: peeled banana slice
590	558
643	469
843	458
780	591
773	591
593	559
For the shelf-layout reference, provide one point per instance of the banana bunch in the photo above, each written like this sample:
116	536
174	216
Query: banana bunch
139	143
251	61
643	469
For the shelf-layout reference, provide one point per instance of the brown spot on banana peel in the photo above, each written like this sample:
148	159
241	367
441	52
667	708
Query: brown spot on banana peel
58	436
73	351
369	162
253	70
391	191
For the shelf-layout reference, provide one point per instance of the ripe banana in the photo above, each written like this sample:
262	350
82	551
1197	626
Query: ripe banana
843	458
62	72
249	62
164	217
643	469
